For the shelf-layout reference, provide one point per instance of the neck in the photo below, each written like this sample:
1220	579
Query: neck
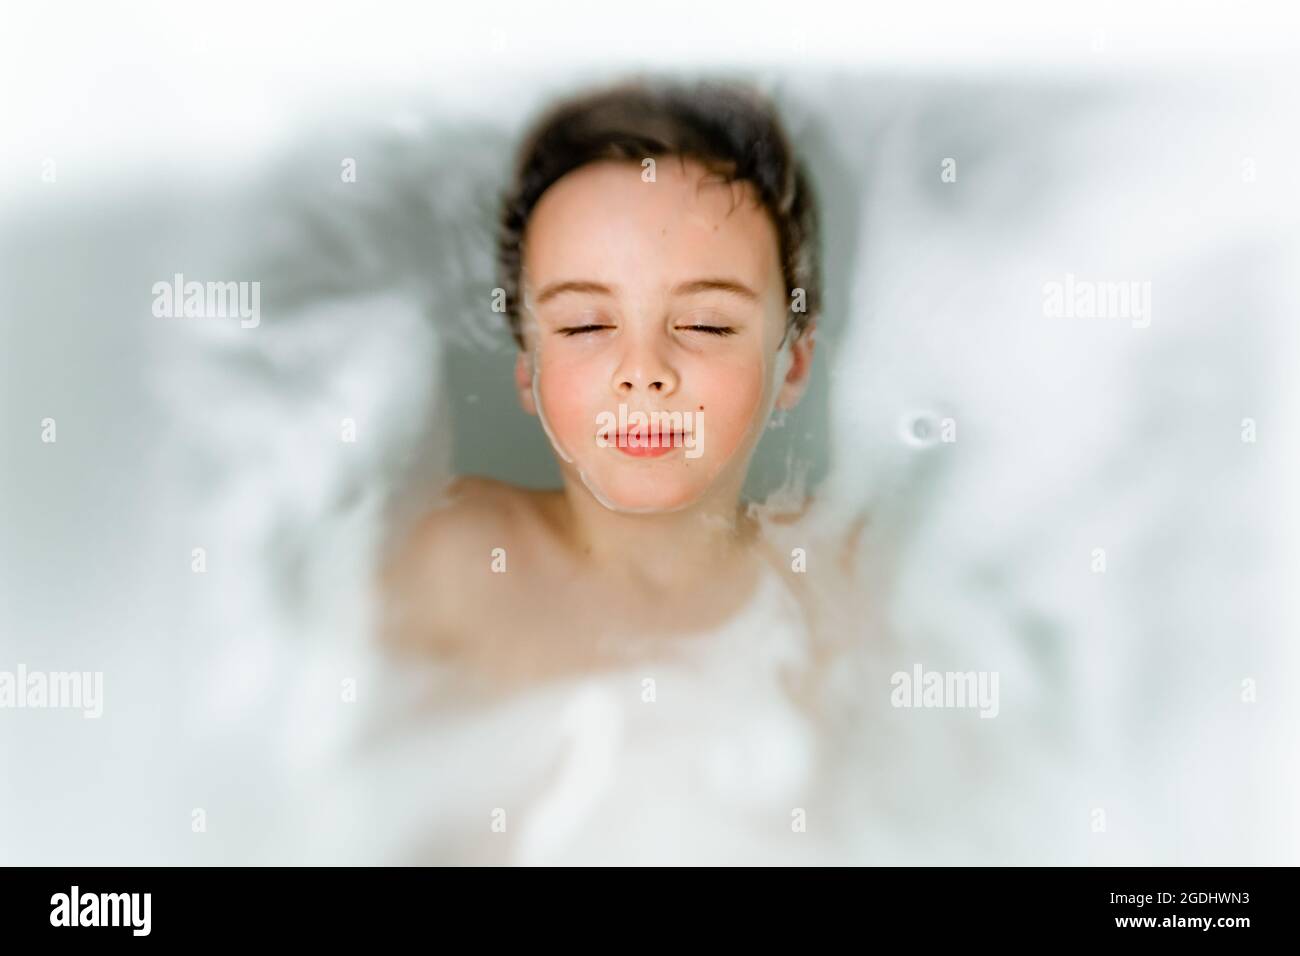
660	547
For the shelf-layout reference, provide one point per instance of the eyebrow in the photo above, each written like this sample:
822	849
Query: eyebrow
691	287
716	285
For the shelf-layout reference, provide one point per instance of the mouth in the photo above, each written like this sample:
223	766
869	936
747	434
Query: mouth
646	444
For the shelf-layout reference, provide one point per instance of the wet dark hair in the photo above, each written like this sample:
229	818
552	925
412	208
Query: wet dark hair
732	129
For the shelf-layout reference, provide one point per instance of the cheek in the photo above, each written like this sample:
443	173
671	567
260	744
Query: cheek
563	387
732	396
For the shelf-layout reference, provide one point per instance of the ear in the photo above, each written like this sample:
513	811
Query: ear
792	387
524	381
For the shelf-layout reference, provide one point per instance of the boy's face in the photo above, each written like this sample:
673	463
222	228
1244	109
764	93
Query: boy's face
663	296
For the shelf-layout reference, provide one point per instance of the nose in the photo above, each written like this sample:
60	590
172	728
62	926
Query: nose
643	369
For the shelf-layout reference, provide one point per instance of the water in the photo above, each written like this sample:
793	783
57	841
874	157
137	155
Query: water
981	450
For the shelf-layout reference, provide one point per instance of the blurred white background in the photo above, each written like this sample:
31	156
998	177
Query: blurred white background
1114	142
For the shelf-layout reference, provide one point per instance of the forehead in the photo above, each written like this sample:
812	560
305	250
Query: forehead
603	222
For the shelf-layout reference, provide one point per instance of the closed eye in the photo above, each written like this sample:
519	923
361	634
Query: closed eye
581	329
709	329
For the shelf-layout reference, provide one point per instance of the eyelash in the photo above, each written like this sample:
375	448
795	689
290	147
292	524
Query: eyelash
719	330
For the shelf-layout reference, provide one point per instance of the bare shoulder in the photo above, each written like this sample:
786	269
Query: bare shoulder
431	582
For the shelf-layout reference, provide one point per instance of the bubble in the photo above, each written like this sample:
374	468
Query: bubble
920	428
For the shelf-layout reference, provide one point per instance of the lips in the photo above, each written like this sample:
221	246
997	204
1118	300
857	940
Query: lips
640	443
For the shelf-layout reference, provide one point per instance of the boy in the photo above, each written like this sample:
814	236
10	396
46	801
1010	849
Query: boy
659	255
